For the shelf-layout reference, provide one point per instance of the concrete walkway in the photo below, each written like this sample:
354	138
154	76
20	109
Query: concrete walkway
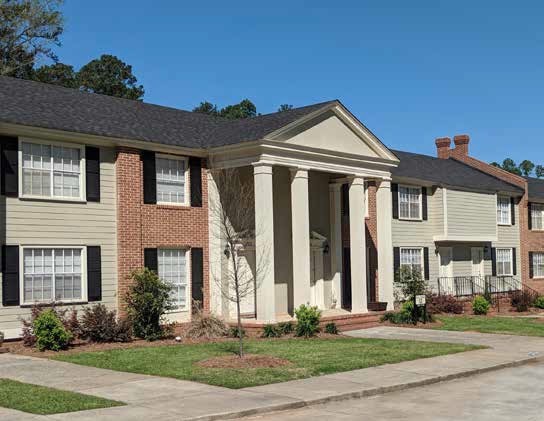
155	398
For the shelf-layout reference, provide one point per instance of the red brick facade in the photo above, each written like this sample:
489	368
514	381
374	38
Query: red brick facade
142	225
531	241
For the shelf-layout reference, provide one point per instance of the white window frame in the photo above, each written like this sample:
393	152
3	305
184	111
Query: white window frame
185	159
510	251
533	218
84	297
540	275
422	268
509	222
187	252
420	218
82	181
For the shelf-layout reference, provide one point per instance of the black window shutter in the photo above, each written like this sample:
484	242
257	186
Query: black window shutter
395	197
530	213
94	273
92	173
424	205
513	210
10	162
396	260
150	177
531	265
514	262
426	263
195	175
10	275
494	261
197	275
151	260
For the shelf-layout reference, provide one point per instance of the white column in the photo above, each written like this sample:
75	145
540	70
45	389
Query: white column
385	244
300	217
335	242
357	237
264	242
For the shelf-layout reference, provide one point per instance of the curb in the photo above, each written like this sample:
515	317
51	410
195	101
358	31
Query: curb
364	393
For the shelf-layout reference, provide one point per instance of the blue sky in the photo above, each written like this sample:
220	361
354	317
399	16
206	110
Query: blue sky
411	71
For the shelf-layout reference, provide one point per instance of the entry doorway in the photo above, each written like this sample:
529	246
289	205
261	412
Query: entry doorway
478	268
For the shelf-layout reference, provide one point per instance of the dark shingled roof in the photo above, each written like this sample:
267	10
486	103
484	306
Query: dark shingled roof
53	107
536	188
449	172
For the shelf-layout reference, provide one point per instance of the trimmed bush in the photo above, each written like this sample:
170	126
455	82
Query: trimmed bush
98	324
522	300
286	328
444	304
70	323
235	333
148	299
539	302
480	306
271	331
331	328
307	321
50	333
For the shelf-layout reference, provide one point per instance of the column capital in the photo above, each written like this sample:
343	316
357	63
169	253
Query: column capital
299	172
262	168
356	180
384	184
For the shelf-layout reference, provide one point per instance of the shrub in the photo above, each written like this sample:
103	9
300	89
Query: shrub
50	332
235	333
539	302
307	321
70	323
148	299
522	300
205	325
443	304
271	331
286	328
98	324
331	328
480	305
407	315
1	338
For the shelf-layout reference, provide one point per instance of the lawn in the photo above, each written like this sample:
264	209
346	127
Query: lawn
45	400
522	326
309	358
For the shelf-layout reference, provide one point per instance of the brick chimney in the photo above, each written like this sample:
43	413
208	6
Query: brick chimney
443	147
461	145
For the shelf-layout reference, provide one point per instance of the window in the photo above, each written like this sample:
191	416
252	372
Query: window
504	214
409	202
504	262
538	265
171	183
412	258
173	269
51	170
537	216
52	274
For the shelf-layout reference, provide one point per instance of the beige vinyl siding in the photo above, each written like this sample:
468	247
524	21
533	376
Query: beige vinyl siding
48	223
471	214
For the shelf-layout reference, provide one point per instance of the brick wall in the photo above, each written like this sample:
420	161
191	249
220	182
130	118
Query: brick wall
142	225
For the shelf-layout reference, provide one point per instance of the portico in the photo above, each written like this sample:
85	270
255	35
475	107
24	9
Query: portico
312	217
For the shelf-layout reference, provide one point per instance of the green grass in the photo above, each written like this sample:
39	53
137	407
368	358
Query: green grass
45	400
522	326
309	358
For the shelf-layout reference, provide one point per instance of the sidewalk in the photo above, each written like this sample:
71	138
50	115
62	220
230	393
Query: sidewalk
155	398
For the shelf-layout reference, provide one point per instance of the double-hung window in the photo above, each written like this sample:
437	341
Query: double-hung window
51	170
171	179
504	262
504	213
537	216
172	267
53	274
538	265
412	258
410	202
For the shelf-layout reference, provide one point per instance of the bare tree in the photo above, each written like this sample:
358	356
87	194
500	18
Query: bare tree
234	217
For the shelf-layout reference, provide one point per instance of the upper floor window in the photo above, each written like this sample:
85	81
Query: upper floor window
412	258
505	262
171	179
538	265
172	268
51	171
409	202
504	212
537	216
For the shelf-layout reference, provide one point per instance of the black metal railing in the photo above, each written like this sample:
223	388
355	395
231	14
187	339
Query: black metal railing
467	286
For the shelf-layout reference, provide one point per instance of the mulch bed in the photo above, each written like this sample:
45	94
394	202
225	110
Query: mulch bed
247	361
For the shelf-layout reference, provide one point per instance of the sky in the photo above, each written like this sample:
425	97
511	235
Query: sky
411	71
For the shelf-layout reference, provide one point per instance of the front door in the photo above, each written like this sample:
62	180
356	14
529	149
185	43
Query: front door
446	270
478	261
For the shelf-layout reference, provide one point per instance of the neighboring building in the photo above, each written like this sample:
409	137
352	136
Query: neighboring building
94	187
